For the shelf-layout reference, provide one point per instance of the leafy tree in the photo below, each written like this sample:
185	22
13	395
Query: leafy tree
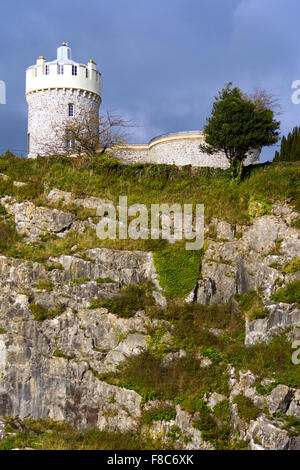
239	124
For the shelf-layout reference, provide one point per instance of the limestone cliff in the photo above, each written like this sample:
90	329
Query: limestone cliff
56	367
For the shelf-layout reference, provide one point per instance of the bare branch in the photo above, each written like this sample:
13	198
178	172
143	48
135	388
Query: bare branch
91	134
264	100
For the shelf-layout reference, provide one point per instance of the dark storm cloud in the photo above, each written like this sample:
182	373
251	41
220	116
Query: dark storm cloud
162	60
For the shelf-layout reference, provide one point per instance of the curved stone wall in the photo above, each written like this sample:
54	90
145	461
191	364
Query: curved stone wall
48	115
180	148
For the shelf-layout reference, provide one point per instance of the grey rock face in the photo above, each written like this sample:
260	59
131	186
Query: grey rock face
270	436
56	195
225	230
280	399
264	433
2	430
66	197
34	221
214	399
52	368
184	421
252	262
35	382
280	318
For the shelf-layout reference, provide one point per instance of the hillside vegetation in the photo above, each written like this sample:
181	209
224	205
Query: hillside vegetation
147	183
190	352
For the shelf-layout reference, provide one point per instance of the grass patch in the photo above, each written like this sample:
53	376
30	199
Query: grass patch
147	183
261	390
41	313
271	360
292	267
251	305
296	223
178	270
292	425
50	435
215	427
59	353
105	280
181	381
246	408
289	294
131	299
191	327
159	414
47	285
78	282
52	267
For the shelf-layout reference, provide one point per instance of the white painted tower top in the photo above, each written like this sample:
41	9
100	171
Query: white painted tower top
63	73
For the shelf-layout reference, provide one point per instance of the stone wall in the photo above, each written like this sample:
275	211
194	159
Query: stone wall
48	117
181	148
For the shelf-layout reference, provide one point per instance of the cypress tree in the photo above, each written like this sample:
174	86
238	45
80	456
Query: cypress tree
289	148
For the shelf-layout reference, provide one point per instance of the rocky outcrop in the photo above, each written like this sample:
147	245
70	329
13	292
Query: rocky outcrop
264	433
33	221
48	368
251	258
65	198
280	318
74	281
54	368
247	263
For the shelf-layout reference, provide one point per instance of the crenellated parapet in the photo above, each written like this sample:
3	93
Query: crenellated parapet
59	93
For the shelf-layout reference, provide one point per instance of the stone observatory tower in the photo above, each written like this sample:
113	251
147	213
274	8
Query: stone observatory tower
59	93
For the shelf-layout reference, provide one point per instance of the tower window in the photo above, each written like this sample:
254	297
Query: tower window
35	72
86	73
71	110
60	69
47	69
74	69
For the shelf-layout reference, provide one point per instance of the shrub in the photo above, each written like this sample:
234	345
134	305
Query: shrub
292	267
80	281
47	285
215	428
251	305
246	408
59	353
159	414
259	207
289	294
41	313
212	354
132	299
296	223
105	280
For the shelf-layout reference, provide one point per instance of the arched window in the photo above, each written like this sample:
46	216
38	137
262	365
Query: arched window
71	110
